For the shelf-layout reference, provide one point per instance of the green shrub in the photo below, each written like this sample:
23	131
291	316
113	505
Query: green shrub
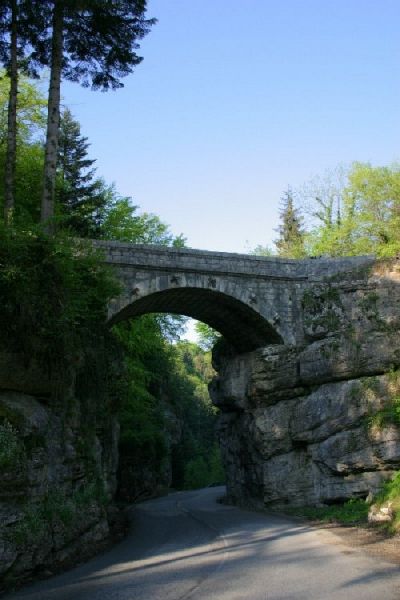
201	472
352	511
53	294
196	474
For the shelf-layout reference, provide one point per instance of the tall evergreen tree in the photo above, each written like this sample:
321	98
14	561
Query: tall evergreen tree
93	42
291	233
80	196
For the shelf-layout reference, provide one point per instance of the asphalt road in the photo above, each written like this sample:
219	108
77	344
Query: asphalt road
186	545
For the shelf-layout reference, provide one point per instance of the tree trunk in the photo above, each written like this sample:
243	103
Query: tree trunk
53	119
11	155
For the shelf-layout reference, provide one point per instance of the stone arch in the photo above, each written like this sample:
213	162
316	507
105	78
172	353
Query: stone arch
242	326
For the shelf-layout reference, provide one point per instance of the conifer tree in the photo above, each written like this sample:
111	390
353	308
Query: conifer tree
80	196
291	233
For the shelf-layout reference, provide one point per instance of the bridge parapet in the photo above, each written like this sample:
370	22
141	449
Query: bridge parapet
252	300
169	258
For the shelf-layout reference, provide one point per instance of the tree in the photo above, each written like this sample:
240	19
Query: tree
92	42
121	222
18	22
291	234
372	201
207	336
9	54
81	198
31	108
12	68
29	160
321	198
261	250
370	215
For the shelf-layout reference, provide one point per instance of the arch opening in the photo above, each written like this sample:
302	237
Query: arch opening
242	326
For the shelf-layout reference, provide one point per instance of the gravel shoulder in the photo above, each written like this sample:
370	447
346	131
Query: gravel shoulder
372	540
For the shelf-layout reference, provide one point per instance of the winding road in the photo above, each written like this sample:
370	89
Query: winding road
186	545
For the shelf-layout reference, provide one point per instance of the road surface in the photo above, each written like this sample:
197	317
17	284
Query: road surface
188	546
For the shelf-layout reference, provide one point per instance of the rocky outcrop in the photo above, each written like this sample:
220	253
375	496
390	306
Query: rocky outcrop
58	461
316	422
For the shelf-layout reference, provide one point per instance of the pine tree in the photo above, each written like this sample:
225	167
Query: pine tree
291	234
79	195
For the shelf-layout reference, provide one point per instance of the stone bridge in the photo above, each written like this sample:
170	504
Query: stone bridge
317	356
252	301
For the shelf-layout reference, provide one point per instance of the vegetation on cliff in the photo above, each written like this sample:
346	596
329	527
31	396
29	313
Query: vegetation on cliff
55	291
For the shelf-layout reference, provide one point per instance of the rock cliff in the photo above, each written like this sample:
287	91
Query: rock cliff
316	422
58	461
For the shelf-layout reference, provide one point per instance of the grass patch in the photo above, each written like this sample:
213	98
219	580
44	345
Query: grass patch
349	513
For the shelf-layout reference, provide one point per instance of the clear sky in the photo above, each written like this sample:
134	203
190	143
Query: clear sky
237	99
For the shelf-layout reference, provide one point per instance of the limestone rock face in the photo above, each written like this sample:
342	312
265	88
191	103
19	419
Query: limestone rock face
315	422
381	514
57	475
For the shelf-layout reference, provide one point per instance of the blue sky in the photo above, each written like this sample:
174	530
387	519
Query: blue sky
237	99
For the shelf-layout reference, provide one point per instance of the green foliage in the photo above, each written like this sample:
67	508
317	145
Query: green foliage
196	473
31	119
350	512
189	388
163	378
390	415
390	493
12	450
390	490
146	364
351	211
122	223
217	473
54	294
204	471
369	217
81	198
29	178
262	251
31	109
207	336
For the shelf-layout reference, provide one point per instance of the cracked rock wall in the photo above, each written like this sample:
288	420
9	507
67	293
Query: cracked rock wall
58	462
316	422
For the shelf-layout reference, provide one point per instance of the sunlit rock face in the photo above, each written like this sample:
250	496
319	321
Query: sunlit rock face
315	422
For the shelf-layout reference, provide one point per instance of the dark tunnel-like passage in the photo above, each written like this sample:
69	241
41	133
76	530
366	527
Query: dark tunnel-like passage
243	327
